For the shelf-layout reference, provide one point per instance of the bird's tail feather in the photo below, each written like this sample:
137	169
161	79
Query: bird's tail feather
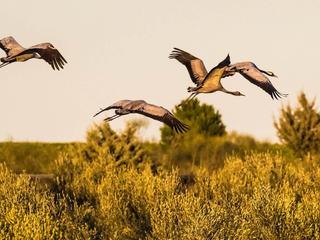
277	95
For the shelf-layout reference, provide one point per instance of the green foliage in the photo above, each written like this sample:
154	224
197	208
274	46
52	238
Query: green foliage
196	150
299	129
31	157
203	119
202	145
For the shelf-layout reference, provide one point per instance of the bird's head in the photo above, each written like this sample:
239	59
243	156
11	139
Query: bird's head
51	46
271	74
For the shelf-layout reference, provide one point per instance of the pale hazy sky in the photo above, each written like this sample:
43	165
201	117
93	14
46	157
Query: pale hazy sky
119	50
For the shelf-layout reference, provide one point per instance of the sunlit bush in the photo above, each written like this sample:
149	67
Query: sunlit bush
82	168
299	128
254	196
108	188
28	211
260	196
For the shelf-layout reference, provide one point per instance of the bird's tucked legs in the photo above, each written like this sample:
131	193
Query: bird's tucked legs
192	96
108	119
4	64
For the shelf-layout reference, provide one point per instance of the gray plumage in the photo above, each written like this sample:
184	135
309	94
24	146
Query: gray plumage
194	65
205	82
256	76
16	53
161	114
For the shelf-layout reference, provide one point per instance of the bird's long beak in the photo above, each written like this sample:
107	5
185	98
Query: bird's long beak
275	76
242	94
101	110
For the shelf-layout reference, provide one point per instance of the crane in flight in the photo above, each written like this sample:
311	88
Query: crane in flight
16	53
205	82
211	82
161	114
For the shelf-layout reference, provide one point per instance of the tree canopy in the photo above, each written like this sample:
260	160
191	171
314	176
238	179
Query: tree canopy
202	118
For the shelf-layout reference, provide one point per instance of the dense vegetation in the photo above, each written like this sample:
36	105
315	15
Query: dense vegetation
200	186
31	157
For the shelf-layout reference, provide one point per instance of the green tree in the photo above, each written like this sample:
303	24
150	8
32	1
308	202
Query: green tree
299	128
202	118
124	148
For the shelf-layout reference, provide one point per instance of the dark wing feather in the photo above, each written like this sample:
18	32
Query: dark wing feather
10	46
194	65
49	53
251	73
163	115
229	71
116	105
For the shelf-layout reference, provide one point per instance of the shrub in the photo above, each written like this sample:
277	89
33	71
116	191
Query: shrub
267	197
82	168
299	129
257	196
119	149
30	212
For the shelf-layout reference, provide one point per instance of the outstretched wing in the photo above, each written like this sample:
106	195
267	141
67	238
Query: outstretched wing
195	66
163	115
10	46
49	53
116	105
250	71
